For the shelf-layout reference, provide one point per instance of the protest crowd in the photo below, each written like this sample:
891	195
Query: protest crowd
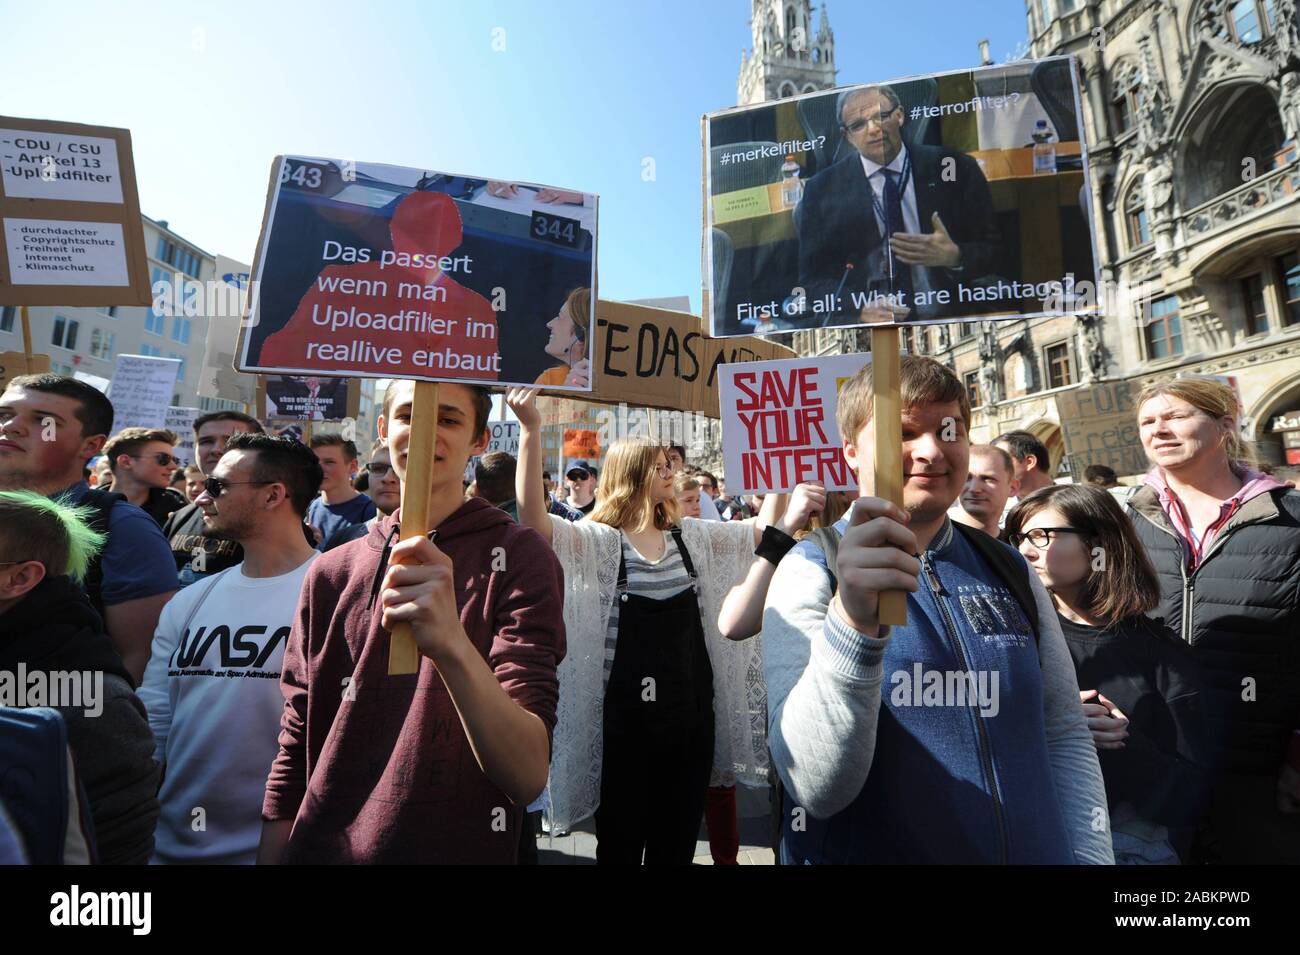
1089	673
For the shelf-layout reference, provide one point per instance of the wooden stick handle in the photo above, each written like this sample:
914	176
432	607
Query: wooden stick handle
403	655
887	413
27	337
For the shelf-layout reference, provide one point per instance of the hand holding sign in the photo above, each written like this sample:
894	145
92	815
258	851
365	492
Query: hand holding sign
875	556
807	500
523	402
934	249
580	374
419	591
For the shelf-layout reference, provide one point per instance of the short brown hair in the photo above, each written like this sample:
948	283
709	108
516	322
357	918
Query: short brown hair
131	441
335	441
992	450
494	474
95	411
1126	583
482	403
924	381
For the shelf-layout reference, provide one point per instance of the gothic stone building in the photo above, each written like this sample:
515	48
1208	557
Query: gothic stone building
1191	110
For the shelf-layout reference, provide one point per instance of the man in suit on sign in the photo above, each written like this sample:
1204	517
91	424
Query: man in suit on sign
933	203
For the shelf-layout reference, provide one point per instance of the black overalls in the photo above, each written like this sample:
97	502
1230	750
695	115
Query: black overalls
658	728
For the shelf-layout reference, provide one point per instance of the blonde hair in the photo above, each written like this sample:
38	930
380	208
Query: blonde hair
579	302
625	481
1214	399
923	380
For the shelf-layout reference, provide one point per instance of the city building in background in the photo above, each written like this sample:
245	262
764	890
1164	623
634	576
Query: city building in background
1191	110
89	340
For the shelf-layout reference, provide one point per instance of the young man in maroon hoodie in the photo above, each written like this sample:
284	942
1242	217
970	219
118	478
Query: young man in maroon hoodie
434	767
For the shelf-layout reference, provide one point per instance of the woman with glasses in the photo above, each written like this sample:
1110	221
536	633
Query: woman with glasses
1141	689
142	464
648	685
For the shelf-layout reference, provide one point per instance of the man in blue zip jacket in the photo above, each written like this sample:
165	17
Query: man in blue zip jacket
958	738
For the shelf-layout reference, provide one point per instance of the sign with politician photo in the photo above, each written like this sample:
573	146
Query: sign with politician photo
957	196
308	398
380	271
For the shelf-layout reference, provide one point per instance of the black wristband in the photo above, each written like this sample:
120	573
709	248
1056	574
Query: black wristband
775	544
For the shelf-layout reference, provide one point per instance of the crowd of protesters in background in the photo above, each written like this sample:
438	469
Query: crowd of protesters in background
631	644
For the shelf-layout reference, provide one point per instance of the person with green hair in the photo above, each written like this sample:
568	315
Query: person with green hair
54	651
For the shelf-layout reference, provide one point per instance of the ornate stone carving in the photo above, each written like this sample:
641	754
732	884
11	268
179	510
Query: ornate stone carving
1095	354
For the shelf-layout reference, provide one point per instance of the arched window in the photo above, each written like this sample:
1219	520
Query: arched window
789	23
1125	83
1237	129
1135	216
817	54
809	88
1250	21
787	89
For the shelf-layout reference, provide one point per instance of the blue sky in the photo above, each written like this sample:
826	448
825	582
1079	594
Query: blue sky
582	93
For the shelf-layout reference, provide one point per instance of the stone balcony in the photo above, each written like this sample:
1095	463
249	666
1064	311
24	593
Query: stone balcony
1248	201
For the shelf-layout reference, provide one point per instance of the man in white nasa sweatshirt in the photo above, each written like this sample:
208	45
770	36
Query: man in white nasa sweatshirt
212	687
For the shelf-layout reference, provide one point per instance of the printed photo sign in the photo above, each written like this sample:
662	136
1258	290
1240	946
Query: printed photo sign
952	197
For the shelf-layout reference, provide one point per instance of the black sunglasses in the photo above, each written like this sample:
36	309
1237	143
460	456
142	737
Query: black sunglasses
162	457
215	487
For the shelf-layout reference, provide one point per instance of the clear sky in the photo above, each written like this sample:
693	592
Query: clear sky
582	93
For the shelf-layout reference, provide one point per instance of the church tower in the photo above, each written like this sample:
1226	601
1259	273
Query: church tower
787	57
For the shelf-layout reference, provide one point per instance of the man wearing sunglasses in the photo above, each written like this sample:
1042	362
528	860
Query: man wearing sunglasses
212	688
893	217
142	463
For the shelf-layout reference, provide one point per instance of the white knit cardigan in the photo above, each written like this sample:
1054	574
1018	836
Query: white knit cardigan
589	553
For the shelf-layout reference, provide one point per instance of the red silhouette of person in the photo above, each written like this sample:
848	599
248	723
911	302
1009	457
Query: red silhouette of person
395	304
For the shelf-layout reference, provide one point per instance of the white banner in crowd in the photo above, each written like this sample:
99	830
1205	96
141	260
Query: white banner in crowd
181	420
142	391
778	423
505	437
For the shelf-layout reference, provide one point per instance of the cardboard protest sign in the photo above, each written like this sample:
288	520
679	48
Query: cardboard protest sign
952	197
580	443
181	421
1100	427
14	364
379	271
778	424
505	437
70	230
663	359
308	398
142	391
218	378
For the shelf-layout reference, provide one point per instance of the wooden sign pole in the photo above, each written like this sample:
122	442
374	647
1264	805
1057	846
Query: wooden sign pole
27	336
887	414
403	656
